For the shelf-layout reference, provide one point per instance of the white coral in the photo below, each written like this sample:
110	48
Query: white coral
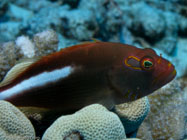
133	113
13	123
93	122
26	46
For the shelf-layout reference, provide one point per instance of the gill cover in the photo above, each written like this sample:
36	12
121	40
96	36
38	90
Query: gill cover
144	64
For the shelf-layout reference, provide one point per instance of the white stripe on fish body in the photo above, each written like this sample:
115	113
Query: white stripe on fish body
36	81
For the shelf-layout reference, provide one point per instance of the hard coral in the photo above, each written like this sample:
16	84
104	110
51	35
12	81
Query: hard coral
148	22
26	46
8	56
92	122
44	43
81	26
13	124
9	30
132	114
74	136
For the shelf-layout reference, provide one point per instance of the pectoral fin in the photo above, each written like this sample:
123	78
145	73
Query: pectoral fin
15	71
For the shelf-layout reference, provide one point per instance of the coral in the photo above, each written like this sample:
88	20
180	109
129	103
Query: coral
3	7
31	5
19	13
14	124
81	25
179	61
71	3
74	136
26	46
182	25
45	42
8	56
148	21
126	36
171	21
48	17
161	25
183	2
92	122
133	113
65	42
9	30
131	139
96	6
108	27
167	117
144	132
168	45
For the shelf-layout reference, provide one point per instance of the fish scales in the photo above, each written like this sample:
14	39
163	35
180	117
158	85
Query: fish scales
96	72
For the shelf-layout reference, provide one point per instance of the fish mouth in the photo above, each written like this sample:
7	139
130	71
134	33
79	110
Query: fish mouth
164	78
173	74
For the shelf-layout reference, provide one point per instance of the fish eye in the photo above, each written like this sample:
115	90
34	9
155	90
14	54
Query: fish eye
147	63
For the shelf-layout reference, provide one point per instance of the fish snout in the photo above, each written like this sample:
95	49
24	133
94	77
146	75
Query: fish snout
171	72
172	75
165	76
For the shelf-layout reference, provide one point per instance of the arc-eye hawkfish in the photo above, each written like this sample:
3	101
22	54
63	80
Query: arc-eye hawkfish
96	72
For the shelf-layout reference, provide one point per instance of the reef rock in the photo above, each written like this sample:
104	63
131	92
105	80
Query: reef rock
167	117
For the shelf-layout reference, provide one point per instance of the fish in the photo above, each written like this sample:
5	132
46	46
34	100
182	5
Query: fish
94	72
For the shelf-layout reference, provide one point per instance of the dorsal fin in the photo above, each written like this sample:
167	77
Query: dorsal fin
24	60
15	71
93	40
80	45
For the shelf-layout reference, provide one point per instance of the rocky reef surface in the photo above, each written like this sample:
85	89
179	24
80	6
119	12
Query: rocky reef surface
168	112
30	29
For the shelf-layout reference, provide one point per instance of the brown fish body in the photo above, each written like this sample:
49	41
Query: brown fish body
80	75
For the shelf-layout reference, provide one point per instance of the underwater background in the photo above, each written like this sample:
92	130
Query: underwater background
36	28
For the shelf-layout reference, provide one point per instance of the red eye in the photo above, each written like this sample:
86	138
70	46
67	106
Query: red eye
147	63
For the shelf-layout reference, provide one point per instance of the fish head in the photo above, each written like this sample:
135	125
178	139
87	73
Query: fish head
162	71
138	73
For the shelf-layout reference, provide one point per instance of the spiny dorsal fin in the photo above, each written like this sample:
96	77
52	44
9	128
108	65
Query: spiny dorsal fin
28	60
93	40
15	71
82	44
